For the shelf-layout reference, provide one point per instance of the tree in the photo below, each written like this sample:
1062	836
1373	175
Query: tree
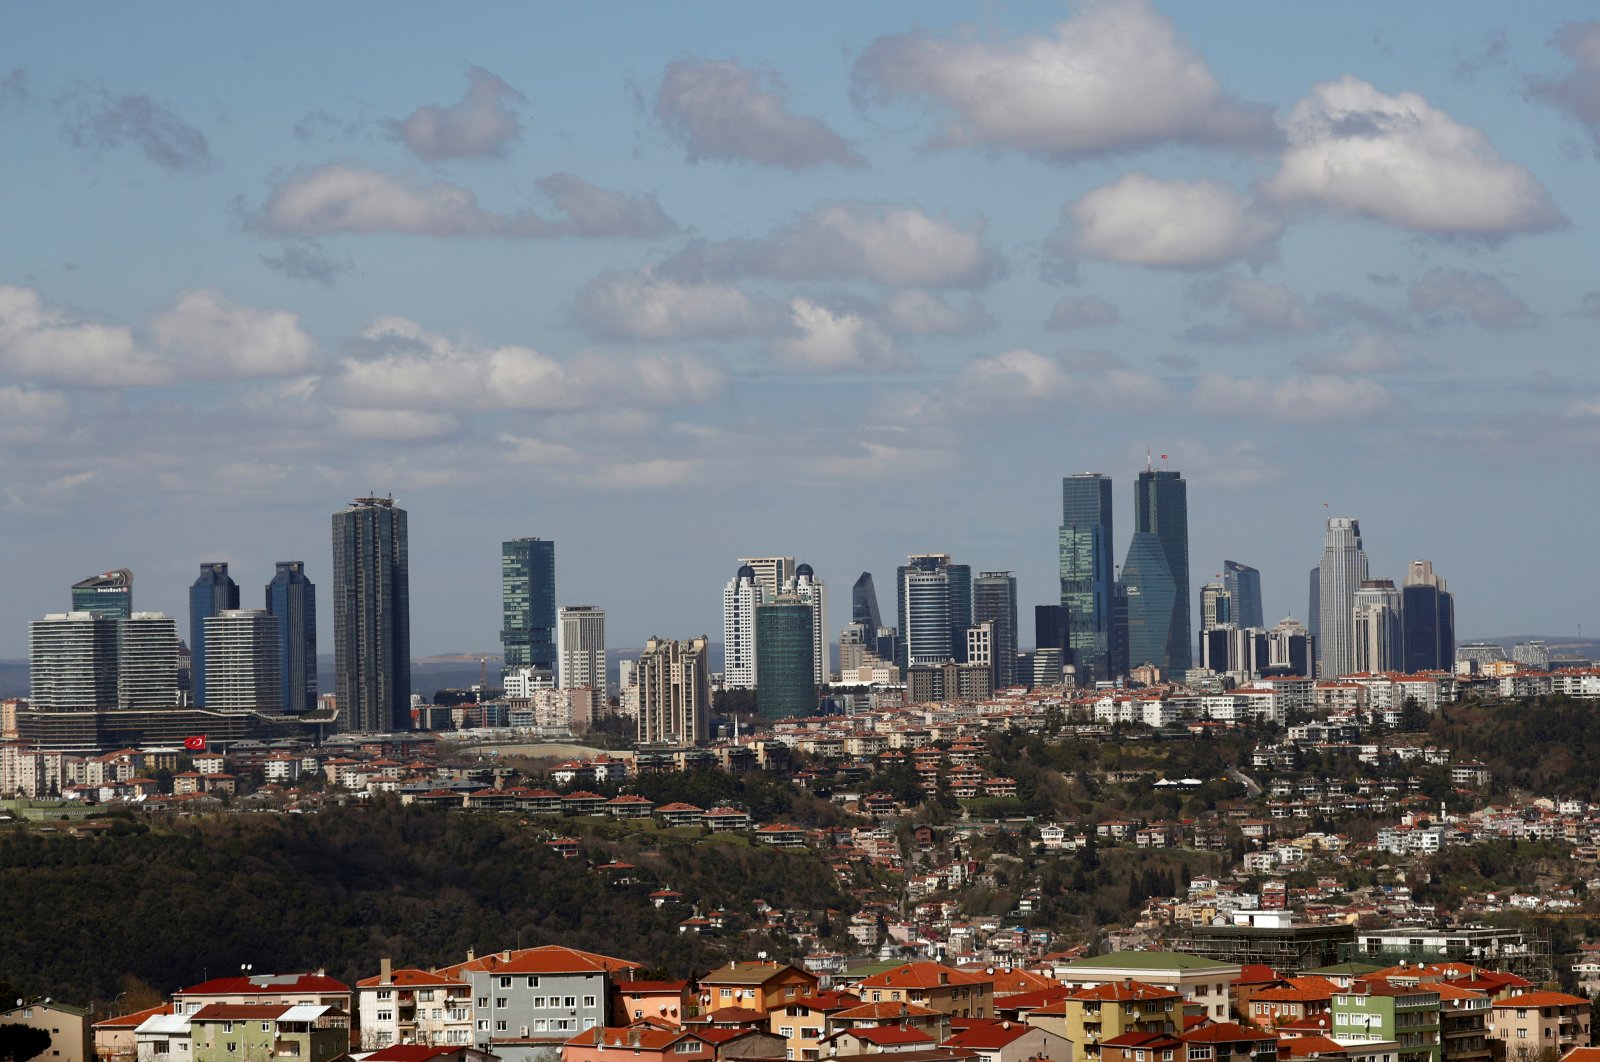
18	1042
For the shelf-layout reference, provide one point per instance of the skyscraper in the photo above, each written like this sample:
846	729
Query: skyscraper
1339	576
786	666
1314	604
740	596
1050	629
292	601
1087	577
1428	613
1376	634
1292	649
528	603
372	616
864	604
581	639
994	601
773	573
213	592
107	594
1243	584
244	661
808	588
1216	606
673	679
72	662
935	606
1161	608
147	662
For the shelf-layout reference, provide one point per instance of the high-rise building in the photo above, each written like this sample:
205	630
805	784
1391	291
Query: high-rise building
372	616
1428	612
244	661
1050	629
773	573
292	601
147	667
673	680
107	594
72	662
213	591
1159	614
1534	654
581	639
1292	650
935	606
981	647
808	588
1314	603
528	603
1339	576
994	601
1047	667
853	647
1241	651
864	603
1087	576
1216	606
1243	584
786	682
1376	632
740	596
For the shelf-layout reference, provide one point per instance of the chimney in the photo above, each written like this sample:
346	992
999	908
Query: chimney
385	971
471	954
505	956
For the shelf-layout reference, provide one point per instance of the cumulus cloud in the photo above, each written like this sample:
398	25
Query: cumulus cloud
398	365
1443	295
480	125
1402	161
882	243
1257	309
408	425
1072	312
348	198
914	311
647	305
1030	377
305	260
96	119
204	336
828	340
26	413
1578	90
1366	355
1294	400
1115	77
720	109
1138	220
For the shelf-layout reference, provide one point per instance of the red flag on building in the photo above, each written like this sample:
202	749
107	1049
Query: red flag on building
197	743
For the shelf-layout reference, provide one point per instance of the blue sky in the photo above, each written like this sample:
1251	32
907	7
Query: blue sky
673	285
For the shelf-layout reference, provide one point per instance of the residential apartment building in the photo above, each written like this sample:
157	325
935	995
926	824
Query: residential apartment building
927	984
411	1006
1535	1022
757	986
265	1032
1203	982
1378	1011
1088	1017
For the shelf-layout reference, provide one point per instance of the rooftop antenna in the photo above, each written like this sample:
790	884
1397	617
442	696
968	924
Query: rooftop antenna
1147	465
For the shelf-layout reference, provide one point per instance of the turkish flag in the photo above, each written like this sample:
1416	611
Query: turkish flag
197	743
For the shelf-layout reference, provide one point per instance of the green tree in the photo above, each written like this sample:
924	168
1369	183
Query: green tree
18	1043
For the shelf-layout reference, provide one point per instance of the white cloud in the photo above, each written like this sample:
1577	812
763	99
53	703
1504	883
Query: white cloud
347	198
396	425
29	414
1138	220
480	125
658	472
1115	77
1400	160
646	305
881	243
1364	355
1578	90
1295	400
1072	312
720	109
204	336
1258	309
829	340
914	311
399	365
1028	377
1442	295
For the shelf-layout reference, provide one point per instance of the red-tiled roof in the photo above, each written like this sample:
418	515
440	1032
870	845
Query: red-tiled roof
1542	999
134	1020
887	1035
1224	1032
408	978
266	985
239	1011
550	959
922	975
989	1037
413	1052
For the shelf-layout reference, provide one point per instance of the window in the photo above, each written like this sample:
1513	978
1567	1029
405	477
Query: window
588	1023
533	982
426	995
877	997
227	1026
569	1001
161	1047
233	1045
483	1024
266	1026
500	1026
638	1014
483	1002
541	1025
1201	990
384	993
386	1015
505	982
538	1002
811	1033
588	1001
500	1003
1522	1034
786	1031
564	1023
688	1047
1138	1056
790	991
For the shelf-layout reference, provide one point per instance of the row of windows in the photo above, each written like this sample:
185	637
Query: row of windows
539	1024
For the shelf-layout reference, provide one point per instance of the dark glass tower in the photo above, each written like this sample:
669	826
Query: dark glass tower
1151	592
785	661
213	592
1050	629
528	602
1428	619
107	594
1086	573
292	601
1243	584
1314	604
994	600
864	604
372	616
1161	509
935	609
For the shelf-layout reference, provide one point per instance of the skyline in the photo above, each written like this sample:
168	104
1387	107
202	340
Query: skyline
530	282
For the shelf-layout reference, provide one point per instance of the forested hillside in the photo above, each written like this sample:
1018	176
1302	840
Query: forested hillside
172	904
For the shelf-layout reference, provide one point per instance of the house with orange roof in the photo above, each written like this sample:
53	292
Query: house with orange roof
1530	1023
1225	1041
878	1039
1142	1047
114	1039
802	1022
411	1006
1009	1041
1088	1017
760	986
928	984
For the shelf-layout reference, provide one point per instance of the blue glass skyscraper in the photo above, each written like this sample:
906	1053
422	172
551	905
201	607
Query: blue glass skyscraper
292	602
1160	609
213	592
1086	573
372	616
528	603
1243	584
